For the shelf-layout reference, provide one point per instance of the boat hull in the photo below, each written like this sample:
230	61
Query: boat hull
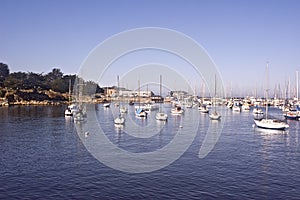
215	117
271	124
161	116
119	120
292	115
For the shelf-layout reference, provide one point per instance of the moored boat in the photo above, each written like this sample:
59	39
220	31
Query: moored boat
106	105
71	110
177	110
140	113
257	111
293	113
123	109
215	116
203	109
161	116
120	120
270	123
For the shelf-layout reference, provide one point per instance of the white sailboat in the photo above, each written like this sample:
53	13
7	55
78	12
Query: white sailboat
177	110
270	123
202	107
215	115
160	115
236	106
257	111
72	108
123	109
245	106
120	120
106	105
80	114
140	112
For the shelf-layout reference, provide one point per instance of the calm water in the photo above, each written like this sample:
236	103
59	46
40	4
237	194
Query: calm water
43	157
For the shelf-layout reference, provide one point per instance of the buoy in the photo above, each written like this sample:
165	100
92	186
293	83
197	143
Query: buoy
180	126
86	134
253	125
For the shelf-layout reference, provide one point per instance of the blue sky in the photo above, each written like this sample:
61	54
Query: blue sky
240	36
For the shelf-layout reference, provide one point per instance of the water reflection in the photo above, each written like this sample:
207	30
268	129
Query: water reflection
270	132
119	128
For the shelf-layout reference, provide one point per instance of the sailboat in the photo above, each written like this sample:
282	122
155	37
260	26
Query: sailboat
257	111
236	106
120	120
270	123
123	109
80	115
160	115
140	112
215	115
202	107
177	110
72	108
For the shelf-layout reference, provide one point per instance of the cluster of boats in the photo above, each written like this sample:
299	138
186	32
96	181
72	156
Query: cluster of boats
292	112
77	112
261	118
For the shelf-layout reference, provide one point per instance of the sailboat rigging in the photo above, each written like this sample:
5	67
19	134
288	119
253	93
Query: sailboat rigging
160	115
270	123
140	112
215	115
120	120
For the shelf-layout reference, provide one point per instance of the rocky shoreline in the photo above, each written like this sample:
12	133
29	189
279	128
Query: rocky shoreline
49	97
33	97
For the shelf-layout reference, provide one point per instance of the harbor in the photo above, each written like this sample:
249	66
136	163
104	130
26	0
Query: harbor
43	156
179	100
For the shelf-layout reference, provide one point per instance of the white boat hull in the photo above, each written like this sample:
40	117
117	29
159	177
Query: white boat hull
148	107
236	109
106	105
123	109
271	124
140	113
78	117
215	116
119	120
161	116
177	112
68	112
257	111
203	109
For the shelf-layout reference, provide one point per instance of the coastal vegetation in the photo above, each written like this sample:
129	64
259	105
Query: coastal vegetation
52	87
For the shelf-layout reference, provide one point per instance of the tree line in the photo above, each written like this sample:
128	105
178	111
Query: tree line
54	80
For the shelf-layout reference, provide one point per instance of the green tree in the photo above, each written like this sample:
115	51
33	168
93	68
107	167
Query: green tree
34	80
16	80
4	73
59	85
54	74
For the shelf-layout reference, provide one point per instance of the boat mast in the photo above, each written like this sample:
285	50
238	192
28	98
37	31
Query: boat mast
267	91
215	92
139	94
70	82
160	87
203	92
118	80
297	84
